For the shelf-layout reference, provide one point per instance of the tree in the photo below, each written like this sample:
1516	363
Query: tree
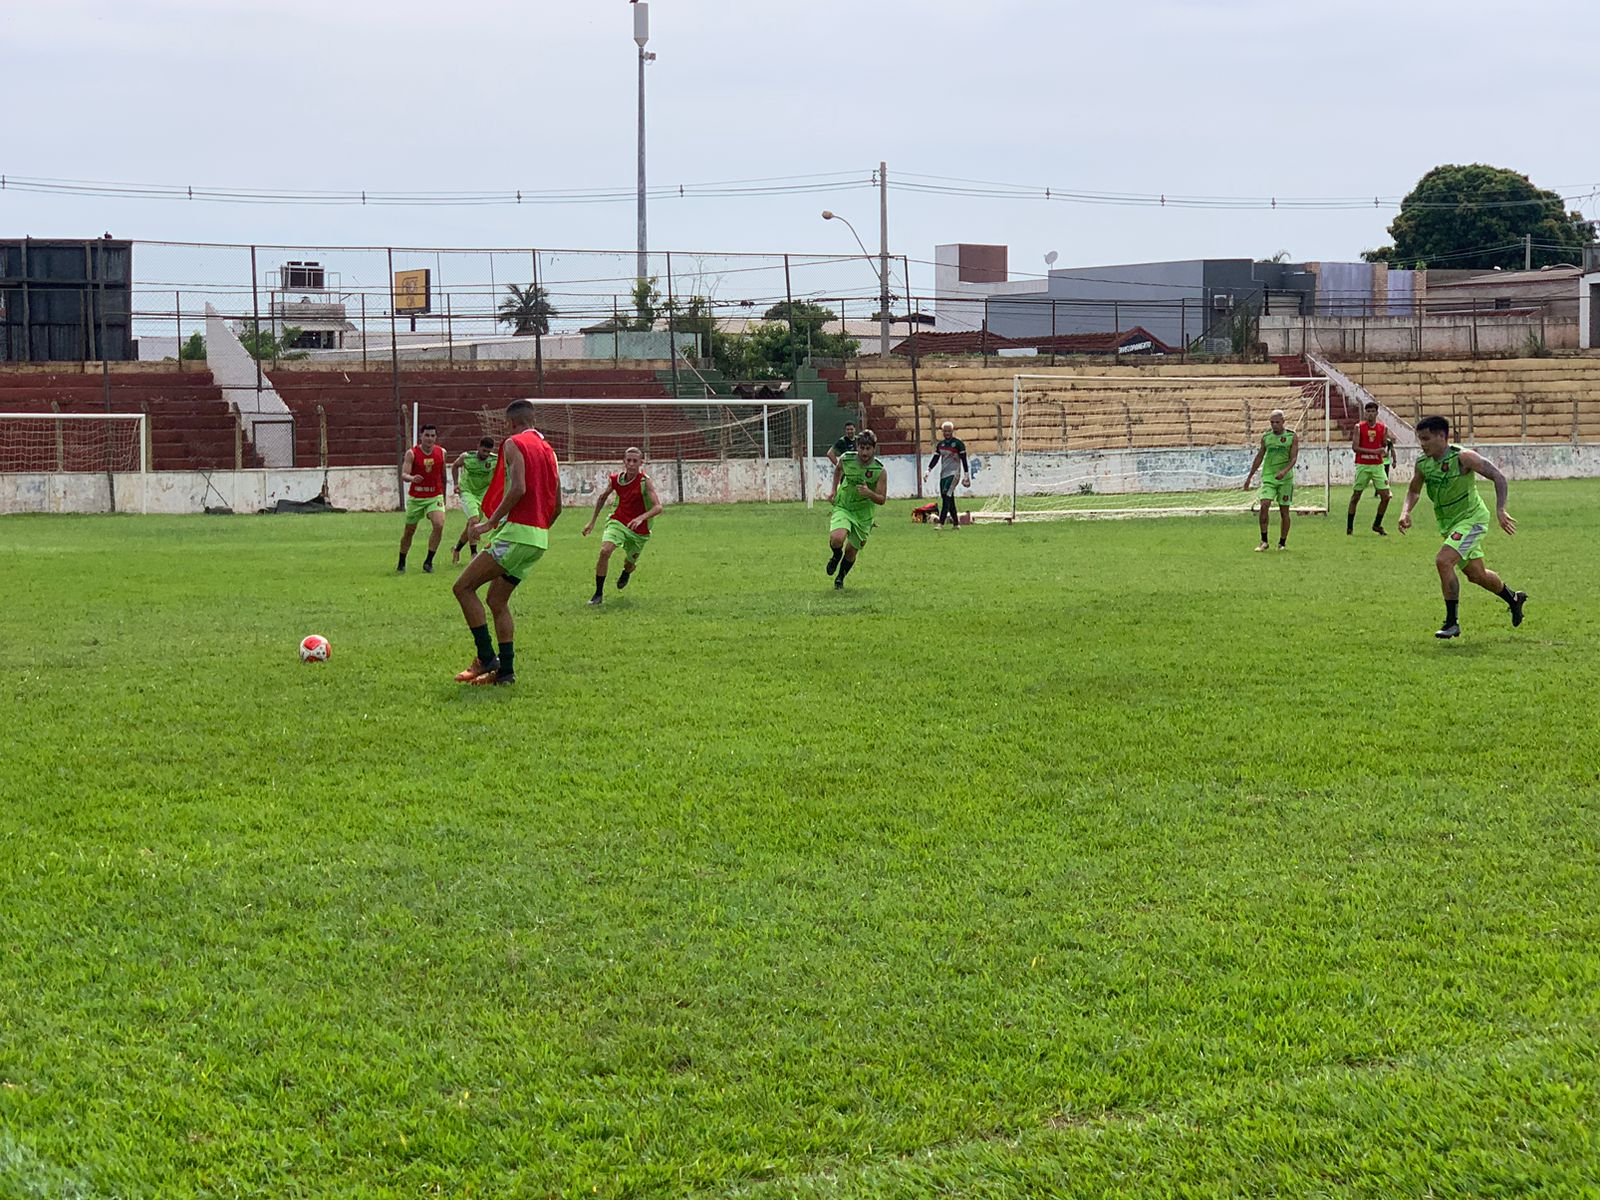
193	348
770	351
527	310
1475	217
259	343
646	299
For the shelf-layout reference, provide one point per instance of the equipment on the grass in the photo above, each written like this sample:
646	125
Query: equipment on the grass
314	648
1139	444
68	447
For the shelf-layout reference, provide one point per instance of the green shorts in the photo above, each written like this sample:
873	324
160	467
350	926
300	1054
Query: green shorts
632	543
1373	475
1466	538
417	510
855	530
515	558
471	503
1279	491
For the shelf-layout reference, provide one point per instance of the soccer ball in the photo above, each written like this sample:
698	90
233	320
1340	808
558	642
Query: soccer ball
314	648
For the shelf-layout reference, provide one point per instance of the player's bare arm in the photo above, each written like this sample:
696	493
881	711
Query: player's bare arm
599	503
405	469
653	511
881	494
455	472
1478	464
1294	457
838	474
1255	463
516	488
1412	493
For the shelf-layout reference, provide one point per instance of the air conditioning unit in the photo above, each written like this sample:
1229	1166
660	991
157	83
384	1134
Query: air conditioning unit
1222	300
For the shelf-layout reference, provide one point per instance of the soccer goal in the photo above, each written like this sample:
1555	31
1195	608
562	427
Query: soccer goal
57	449
711	449
1152	445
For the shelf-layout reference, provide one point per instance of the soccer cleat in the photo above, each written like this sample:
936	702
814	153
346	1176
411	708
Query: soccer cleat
838	583
477	668
1262	547
494	679
1451	630
1518	599
1380	531
833	562
400	570
1283	545
427	568
596	600
622	580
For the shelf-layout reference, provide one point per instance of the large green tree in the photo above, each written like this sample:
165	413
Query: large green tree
1475	217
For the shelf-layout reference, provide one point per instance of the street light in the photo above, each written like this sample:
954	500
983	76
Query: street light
883	281
641	35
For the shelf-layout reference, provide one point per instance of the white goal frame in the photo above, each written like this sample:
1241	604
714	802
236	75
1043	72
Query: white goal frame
1322	382
808	469
141	435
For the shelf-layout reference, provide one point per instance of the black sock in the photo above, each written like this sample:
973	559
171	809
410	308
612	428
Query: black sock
599	584
838	553
1507	594
1350	522
844	567
401	565
473	548
1282	542
428	562
507	663
480	638
1450	611
460	544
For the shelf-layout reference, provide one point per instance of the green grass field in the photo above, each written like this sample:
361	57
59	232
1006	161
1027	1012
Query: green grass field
1077	859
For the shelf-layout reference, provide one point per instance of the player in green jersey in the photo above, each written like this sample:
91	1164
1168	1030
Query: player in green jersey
1446	470
1276	456
479	467
860	485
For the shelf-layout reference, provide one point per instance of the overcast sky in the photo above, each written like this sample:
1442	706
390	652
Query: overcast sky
1220	97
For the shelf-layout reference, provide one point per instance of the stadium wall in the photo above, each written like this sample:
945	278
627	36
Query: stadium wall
374	489
1460	334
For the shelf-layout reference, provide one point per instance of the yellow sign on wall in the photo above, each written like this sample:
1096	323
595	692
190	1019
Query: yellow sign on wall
412	291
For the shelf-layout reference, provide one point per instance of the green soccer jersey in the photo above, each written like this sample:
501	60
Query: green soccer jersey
476	473
852	474
1453	490
1278	447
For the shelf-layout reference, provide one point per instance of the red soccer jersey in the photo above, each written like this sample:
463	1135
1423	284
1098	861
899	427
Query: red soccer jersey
630	502
430	465
541	477
1370	440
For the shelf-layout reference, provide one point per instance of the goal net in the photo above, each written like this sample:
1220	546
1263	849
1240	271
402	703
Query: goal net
765	444
57	446
1129	446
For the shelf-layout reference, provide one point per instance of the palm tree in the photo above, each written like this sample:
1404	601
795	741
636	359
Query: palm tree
527	309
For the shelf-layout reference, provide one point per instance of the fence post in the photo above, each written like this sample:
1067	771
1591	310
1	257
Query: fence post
1052	331
916	394
1522	402
672	327
394	373
322	438
255	328
616	332
538	325
449	332
177	316
363	328
1474	328
788	295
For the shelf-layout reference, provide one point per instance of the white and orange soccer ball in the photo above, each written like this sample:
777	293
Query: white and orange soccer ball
314	648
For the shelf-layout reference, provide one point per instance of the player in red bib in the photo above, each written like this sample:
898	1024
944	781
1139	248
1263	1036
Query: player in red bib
422	469
638	500
523	501
1374	447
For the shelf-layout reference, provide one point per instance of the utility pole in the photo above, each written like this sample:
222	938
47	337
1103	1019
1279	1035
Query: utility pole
883	259
1527	252
641	35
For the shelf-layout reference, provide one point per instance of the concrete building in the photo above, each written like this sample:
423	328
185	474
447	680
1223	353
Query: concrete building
1589	300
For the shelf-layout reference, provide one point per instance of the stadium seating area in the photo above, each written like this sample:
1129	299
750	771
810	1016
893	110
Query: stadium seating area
367	417
1493	400
191	425
1117	416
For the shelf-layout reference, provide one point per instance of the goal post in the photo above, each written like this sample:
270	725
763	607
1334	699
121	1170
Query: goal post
1153	445
60	445
768	444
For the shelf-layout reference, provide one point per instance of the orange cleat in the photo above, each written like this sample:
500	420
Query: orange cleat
470	675
488	679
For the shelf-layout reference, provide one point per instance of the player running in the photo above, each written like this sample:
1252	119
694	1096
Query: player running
1279	451
638	501
844	445
524	500
479	466
422	468
950	456
860	485
1374	447
1447	470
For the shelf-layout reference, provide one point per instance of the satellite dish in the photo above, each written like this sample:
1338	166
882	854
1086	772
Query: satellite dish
1050	258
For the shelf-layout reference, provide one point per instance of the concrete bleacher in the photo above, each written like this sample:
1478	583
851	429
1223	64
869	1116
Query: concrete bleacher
1169	405
191	426
366	413
1492	401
